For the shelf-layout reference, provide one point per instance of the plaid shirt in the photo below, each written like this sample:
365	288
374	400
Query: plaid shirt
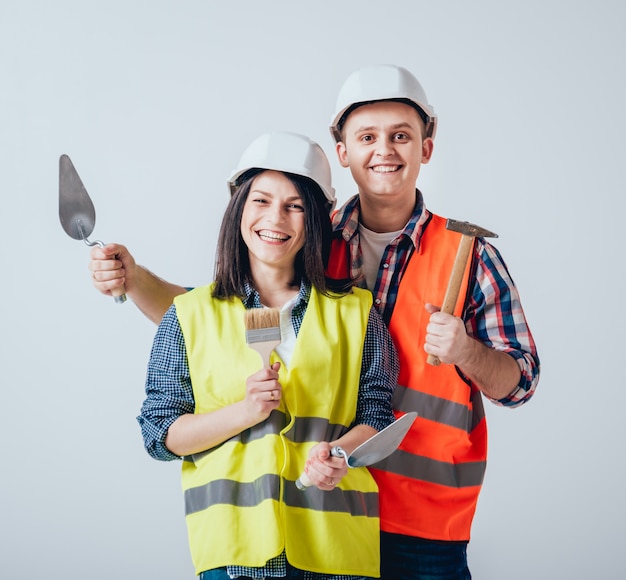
170	395
493	314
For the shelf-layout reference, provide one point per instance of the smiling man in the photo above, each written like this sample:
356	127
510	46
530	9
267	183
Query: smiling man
384	128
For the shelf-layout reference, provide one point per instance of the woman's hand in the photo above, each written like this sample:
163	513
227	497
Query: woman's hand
194	433
263	393
324	470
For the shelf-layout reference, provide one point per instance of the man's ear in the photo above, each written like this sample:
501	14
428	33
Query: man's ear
342	154
427	149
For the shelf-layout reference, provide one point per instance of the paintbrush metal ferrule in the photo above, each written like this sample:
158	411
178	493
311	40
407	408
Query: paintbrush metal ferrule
254	335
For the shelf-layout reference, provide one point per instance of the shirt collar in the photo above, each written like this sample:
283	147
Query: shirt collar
253	300
346	220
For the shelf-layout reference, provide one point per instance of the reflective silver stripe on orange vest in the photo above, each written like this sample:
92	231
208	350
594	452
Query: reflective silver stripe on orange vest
445	412
239	494
425	469
440	410
304	429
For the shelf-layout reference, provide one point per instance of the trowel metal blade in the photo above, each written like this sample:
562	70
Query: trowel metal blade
76	210
382	444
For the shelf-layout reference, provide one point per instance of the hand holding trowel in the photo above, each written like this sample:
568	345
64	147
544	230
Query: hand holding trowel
375	449
76	210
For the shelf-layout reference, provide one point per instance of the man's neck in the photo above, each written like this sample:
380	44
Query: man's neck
386	214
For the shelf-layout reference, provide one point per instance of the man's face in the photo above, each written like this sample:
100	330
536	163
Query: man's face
383	147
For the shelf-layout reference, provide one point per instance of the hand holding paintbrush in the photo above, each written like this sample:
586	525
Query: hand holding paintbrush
263	335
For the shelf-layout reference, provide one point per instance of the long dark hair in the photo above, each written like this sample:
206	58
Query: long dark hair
232	265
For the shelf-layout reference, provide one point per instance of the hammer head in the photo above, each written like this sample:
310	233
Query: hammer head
468	229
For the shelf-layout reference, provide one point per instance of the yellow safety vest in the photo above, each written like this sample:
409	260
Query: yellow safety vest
242	505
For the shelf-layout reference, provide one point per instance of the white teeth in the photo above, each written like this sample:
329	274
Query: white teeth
272	236
385	168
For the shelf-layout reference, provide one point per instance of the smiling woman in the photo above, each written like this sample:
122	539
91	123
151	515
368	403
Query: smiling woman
246	434
272	227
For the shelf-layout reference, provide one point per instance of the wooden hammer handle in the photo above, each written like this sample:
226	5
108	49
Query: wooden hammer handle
454	284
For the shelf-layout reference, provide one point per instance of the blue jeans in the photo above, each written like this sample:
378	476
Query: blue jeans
221	574
408	558
215	574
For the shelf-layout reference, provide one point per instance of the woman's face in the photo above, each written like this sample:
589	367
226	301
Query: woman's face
272	222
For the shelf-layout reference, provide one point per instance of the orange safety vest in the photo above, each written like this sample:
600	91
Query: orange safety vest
429	486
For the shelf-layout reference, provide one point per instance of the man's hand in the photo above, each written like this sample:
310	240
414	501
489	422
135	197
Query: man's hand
446	337
112	267
494	372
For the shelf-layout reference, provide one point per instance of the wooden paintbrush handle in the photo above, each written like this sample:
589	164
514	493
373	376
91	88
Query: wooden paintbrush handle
265	350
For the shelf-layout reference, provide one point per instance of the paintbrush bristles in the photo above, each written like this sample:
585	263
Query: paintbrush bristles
256	318
263	331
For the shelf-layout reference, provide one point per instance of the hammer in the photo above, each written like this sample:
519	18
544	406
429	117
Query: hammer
468	233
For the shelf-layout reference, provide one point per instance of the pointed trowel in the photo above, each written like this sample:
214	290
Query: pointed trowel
375	449
76	210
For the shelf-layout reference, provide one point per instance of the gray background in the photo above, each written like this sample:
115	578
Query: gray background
155	100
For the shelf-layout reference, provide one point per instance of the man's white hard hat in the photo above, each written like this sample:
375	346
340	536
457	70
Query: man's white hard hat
288	152
381	83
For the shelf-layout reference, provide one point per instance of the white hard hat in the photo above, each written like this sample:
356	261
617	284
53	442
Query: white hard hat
382	83
289	152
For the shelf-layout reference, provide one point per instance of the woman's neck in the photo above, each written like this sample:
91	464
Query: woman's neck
275	288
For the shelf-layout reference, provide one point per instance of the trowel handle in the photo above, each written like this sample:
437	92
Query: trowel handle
119	294
303	481
337	451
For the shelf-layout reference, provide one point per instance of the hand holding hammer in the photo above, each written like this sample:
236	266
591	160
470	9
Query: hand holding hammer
468	233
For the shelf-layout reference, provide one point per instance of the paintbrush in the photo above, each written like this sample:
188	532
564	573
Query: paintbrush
263	331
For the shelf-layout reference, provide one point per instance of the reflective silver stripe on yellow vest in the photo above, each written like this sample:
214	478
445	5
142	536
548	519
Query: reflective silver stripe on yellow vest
241	502
303	429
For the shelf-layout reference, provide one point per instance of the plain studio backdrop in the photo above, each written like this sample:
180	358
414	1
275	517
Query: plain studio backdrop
155	100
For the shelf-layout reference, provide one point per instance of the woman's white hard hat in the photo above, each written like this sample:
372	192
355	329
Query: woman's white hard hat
381	83
288	152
